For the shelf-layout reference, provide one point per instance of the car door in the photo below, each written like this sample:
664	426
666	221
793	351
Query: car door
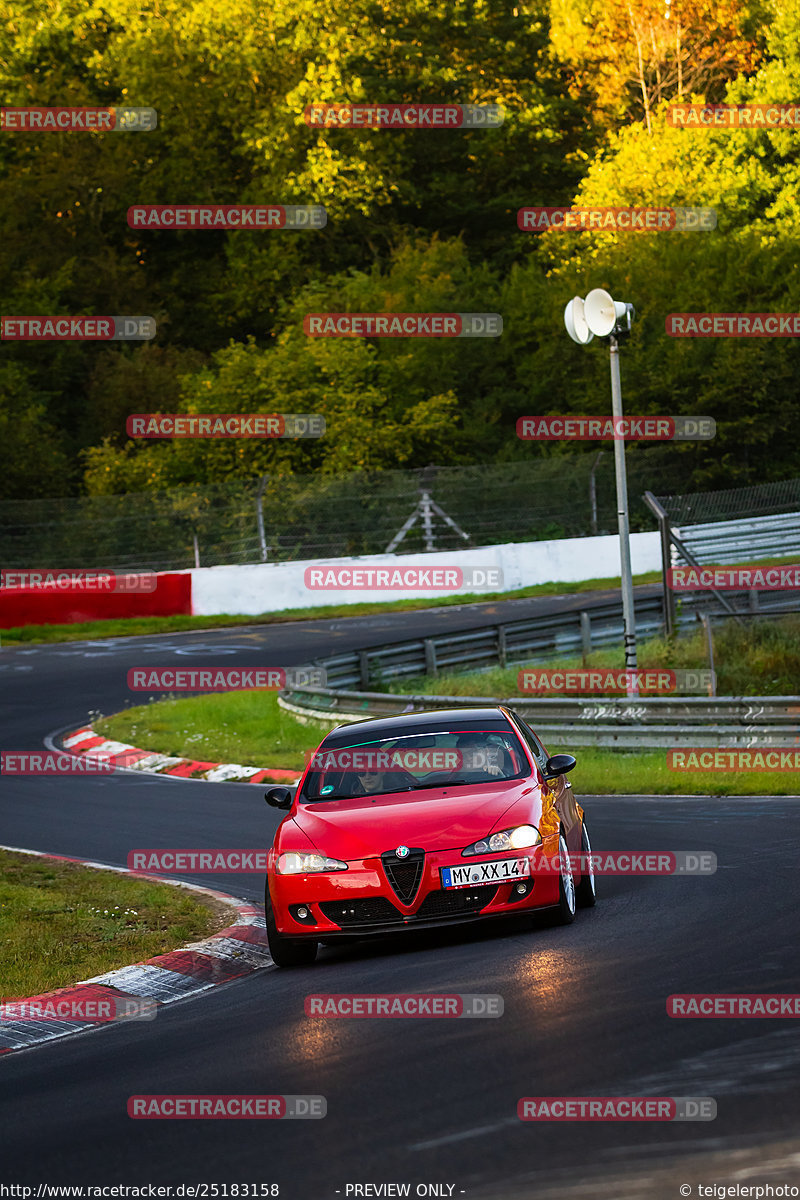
564	800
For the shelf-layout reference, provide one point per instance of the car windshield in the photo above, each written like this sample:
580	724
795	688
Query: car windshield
414	762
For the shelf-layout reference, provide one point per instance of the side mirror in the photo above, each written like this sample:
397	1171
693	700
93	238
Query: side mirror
278	797
559	764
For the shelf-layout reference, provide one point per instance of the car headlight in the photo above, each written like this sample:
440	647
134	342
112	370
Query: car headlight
510	839
307	864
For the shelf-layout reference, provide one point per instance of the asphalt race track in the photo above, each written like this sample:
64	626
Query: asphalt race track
414	1101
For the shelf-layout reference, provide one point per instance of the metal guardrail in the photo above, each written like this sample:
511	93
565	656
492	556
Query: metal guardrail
748	539
764	721
650	721
491	645
578	631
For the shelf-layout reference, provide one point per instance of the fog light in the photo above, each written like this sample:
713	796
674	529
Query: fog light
522	888
303	913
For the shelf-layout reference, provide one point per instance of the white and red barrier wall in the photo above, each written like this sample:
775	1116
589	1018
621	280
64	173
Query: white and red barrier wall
272	587
56	606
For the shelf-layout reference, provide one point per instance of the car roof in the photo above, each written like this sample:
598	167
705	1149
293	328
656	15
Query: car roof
458	719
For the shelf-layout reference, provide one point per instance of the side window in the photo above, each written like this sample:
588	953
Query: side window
536	747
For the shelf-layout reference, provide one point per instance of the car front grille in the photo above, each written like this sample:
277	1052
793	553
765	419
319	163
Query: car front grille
404	874
453	901
377	910
372	910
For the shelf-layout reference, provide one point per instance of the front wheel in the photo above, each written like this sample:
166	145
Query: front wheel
285	951
565	913
586	892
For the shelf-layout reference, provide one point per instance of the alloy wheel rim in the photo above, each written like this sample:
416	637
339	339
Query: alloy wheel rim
566	875
588	852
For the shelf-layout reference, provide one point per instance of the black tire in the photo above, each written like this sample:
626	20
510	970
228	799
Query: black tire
564	914
586	892
287	952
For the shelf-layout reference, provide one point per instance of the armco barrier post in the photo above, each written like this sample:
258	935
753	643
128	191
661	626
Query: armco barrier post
586	635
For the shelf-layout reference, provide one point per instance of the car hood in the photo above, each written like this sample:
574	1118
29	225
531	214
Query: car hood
436	819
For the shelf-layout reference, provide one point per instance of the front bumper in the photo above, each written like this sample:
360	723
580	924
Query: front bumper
361	901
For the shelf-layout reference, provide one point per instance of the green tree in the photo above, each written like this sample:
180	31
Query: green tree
34	463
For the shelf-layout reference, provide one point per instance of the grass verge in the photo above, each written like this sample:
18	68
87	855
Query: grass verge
250	729
61	922
247	728
761	658
605	771
146	626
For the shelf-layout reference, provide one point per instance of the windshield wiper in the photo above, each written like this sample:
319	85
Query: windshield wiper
356	796
474	782
436	783
488	779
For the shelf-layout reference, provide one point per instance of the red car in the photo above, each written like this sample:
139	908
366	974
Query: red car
421	820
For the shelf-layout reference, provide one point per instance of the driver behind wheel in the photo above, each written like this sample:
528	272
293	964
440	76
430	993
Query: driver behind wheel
478	758
373	783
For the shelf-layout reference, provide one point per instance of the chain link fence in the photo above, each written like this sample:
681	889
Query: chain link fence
317	516
760	500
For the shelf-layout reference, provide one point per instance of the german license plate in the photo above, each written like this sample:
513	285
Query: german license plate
502	870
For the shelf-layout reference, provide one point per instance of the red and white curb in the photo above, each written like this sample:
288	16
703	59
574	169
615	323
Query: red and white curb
238	950
120	755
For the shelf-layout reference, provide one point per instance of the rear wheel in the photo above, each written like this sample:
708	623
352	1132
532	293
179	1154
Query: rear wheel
565	913
285	951
586	892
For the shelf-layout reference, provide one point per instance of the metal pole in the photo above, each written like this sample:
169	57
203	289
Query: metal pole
712	690
628	614
664	530
427	521
401	533
449	521
666	563
262	483
586	636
